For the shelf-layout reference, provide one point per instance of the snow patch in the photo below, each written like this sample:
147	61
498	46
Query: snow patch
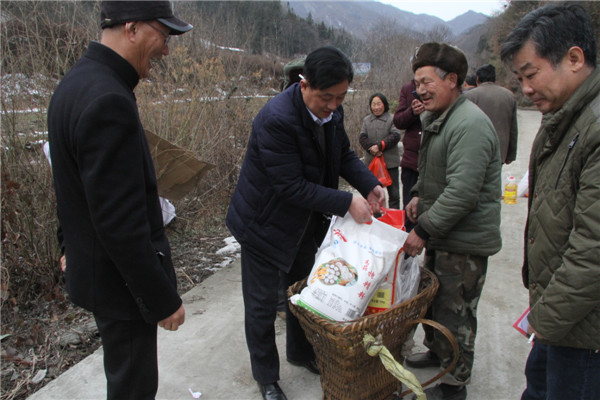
232	246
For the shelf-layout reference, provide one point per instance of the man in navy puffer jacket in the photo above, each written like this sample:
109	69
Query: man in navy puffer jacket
288	185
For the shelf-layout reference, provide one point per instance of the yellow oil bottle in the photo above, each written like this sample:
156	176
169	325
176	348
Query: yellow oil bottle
510	191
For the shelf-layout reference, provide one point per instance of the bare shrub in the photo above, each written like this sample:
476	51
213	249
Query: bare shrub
193	104
35	50
37	38
30	273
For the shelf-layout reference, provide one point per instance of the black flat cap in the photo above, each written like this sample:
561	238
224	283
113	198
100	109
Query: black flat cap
118	12
441	55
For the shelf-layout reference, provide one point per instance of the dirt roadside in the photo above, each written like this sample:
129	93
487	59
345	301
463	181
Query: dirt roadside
50	335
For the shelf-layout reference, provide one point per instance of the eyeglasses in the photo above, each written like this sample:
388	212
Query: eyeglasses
165	35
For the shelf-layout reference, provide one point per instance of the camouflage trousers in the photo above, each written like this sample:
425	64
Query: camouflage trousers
461	279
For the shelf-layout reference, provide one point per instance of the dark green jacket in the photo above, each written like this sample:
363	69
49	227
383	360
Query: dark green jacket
562	243
459	181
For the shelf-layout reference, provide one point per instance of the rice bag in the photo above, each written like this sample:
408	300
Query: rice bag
349	266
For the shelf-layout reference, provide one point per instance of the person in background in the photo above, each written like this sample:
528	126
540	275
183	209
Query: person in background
456	208
292	72
118	258
552	52
469	83
407	117
288	186
379	138
499	105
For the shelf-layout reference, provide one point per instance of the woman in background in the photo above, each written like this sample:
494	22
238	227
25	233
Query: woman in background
379	138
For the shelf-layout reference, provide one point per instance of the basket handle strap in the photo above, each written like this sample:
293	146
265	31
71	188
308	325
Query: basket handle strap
446	332
375	347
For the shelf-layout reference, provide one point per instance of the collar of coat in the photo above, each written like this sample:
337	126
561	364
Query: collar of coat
556	124
433	123
307	120
384	117
106	56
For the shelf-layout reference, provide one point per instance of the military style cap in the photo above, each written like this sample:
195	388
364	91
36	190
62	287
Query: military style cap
291	71
443	56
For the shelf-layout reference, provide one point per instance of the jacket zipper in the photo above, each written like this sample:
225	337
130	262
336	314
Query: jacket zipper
571	145
322	178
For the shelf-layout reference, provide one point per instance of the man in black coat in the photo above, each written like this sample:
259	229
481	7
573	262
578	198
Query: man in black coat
288	184
118	257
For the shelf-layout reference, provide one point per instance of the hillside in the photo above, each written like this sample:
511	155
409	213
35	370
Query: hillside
465	22
358	17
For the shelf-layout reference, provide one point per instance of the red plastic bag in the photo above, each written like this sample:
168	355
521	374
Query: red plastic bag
379	169
395	218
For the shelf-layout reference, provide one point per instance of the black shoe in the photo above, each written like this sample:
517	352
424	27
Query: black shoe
445	392
423	360
309	365
271	391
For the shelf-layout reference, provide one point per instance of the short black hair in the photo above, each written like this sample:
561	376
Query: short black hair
471	80
553	29
384	100
486	73
326	67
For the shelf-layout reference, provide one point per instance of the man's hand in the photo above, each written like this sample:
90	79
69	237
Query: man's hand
173	322
411	209
414	244
360	209
417	107
376	199
532	331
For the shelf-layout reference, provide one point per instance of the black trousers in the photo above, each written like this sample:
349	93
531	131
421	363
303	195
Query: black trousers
260	279
130	358
394	189
409	179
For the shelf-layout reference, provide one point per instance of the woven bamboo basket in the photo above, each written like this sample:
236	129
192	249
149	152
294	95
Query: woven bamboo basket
347	371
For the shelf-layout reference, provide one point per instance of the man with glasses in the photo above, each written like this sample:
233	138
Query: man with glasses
456	209
167	36
118	259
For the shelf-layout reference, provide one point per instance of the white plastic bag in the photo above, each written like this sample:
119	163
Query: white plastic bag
407	279
400	285
349	267
168	210
523	186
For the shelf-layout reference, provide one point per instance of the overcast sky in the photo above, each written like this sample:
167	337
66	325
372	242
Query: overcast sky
447	9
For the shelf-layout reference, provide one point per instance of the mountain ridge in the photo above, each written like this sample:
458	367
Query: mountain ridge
359	17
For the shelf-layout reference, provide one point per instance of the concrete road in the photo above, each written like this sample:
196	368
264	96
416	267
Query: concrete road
208	354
